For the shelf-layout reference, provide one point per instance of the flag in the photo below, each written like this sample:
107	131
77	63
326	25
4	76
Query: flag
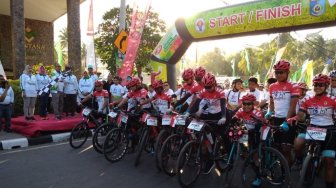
303	70
247	61
329	61
296	75
90	55
325	69
233	67
309	73
139	18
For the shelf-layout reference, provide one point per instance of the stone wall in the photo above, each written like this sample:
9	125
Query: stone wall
39	43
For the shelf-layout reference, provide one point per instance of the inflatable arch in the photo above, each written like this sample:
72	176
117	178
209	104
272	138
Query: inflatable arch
252	18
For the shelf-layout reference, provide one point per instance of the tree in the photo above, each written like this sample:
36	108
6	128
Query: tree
215	63
108	31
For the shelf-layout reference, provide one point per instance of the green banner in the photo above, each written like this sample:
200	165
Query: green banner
168	45
260	15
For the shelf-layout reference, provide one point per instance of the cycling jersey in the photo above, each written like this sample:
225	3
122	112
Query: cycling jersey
282	93
246	118
139	96
320	109
99	97
161	101
186	89
196	89
211	100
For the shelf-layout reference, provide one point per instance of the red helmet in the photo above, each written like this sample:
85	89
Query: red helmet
98	83
248	97
209	80
188	74
321	78
303	85
133	82
282	65
199	72
157	84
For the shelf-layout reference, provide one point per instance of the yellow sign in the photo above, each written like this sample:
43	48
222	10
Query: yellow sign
121	41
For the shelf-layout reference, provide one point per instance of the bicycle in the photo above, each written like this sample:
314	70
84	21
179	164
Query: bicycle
100	133
148	135
172	146
192	157
80	133
312	162
266	162
117	140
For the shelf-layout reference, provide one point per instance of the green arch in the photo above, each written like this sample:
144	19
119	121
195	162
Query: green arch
252	18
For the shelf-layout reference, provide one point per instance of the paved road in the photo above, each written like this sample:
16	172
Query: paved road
58	166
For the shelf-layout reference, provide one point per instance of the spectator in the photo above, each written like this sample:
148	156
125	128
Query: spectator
92	75
85	86
57	92
252	88
42	80
28	85
108	83
234	95
6	102
167	89
70	91
116	90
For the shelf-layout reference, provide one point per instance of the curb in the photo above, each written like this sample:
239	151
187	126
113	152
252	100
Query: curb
25	142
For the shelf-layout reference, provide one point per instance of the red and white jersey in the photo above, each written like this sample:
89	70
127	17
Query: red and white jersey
246	118
139	96
211	100
180	93
99	97
162	101
282	93
320	109
196	89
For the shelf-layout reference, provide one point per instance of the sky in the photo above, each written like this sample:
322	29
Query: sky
170	10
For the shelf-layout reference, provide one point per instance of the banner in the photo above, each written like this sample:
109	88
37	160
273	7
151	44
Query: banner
275	59
133	40
159	68
90	53
248	66
168	45
260	15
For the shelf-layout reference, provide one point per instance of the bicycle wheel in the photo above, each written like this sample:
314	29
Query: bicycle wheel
222	155
115	145
272	170
189	164
143	142
163	135
79	135
99	136
169	152
307	173
231	160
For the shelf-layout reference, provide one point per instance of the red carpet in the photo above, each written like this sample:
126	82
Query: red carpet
41	127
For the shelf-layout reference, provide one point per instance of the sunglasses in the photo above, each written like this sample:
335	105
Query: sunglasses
319	85
247	103
279	72
207	87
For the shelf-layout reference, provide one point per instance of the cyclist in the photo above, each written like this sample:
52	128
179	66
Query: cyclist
321	109
233	95
332	89
160	100
283	100
195	90
136	94
248	115
212	107
101	99
188	83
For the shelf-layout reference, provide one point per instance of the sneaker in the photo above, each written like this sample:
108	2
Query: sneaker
256	182
208	167
27	118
